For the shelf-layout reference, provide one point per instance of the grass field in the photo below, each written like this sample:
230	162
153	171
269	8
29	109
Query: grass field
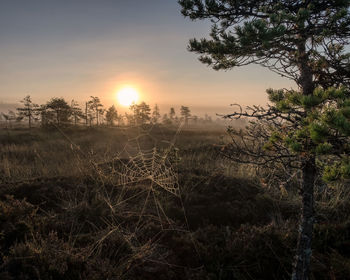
152	203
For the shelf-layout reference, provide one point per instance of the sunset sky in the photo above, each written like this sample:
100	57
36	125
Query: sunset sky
78	48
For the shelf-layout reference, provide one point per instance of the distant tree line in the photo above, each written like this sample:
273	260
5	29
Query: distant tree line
58	112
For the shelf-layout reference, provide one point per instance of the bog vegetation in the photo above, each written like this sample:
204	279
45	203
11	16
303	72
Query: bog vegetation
146	202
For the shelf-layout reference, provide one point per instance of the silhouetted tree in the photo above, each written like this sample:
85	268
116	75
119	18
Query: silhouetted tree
155	114
142	113
101	115
120	120
130	117
111	115
57	111
42	112
301	40
29	110
86	116
166	120
95	105
172	114
77	112
185	113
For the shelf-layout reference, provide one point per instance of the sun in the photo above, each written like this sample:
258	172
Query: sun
127	96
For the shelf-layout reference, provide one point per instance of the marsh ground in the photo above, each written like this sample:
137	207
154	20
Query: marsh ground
83	203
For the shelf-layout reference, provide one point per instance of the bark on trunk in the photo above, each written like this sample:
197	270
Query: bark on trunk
303	253
301	269
86	114
58	118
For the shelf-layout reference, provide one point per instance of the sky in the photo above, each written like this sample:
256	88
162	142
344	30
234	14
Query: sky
80	48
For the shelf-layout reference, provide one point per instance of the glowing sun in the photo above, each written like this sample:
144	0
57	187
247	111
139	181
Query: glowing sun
127	96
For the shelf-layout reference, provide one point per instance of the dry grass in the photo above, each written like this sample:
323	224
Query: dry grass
65	215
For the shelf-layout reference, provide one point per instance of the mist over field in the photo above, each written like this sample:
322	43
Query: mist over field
5	107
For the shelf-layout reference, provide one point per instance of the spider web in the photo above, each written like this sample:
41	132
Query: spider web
149	166
141	173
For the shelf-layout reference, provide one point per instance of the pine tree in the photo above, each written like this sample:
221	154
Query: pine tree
141	113
165	120
172	114
57	111
77	112
95	105
111	115
29	110
155	114
304	41
185	113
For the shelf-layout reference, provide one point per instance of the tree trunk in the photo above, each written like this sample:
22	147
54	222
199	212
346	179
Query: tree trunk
58	117
30	120
303	253
97	116
86	114
43	120
301	269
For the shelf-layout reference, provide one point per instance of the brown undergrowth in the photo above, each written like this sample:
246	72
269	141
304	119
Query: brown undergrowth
64	216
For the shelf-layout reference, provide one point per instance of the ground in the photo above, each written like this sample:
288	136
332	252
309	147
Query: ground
152	203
